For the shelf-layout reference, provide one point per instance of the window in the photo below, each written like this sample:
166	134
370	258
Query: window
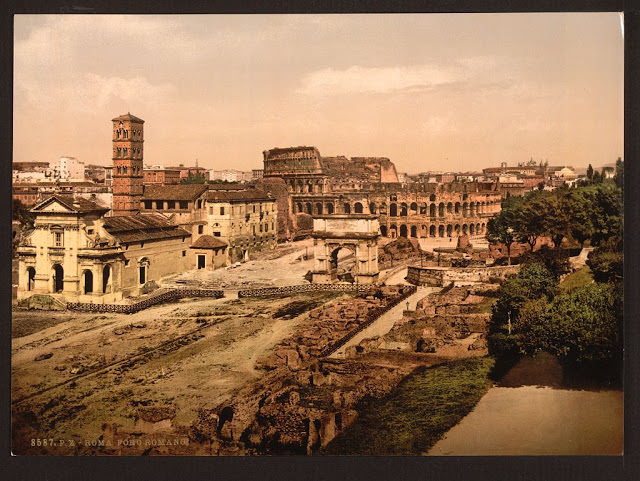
216	234
184	253
184	204
89	231
171	204
126	134
124	169
221	210
159	204
124	151
148	204
119	168
200	229
126	261
260	228
58	239
142	244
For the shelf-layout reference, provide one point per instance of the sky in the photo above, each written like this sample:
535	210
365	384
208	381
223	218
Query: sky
432	92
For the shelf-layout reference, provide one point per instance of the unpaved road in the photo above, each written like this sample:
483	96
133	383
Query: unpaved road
532	420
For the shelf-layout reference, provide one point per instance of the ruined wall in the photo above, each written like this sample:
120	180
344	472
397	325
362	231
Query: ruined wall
440	276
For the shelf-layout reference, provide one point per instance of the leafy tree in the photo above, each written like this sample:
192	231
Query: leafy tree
607	266
196	178
590	172
22	213
555	261
597	178
530	219
534	281
584	325
605	211
500	230
578	210
556	221
619	177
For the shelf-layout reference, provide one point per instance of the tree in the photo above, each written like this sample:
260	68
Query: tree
590	172
22	213
581	326
578	210
619	176
530	219
196	178
500	230
556	221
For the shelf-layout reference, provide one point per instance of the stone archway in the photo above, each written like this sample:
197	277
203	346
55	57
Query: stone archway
58	278
334	234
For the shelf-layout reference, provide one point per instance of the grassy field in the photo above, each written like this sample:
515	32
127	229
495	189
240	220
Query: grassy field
411	419
579	278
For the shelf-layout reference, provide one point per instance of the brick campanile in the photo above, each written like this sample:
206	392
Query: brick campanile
128	139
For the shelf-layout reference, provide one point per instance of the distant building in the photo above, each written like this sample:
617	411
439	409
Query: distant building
67	168
231	175
161	176
257	174
30	193
186	172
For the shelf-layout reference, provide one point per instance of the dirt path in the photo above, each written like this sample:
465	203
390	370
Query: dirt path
534	420
385	322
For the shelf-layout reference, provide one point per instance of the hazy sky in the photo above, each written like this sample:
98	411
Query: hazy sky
429	91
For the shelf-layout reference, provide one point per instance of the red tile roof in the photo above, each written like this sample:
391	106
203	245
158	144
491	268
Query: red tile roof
79	204
173	192
208	242
140	227
128	116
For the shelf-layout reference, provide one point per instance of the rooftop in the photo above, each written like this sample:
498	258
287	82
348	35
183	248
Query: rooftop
238	196
208	242
140	227
128	116
79	204
173	192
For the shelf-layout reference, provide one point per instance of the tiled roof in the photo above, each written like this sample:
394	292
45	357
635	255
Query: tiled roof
140	227
128	116
173	192
79	204
208	242
238	196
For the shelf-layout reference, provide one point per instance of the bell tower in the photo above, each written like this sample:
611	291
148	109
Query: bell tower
128	139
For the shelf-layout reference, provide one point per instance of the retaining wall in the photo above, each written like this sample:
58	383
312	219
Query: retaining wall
439	276
169	295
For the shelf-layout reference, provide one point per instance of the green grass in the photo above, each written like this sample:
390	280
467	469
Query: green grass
413	417
579	278
483	307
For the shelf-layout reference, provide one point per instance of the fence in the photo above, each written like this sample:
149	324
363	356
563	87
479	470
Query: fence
166	296
285	290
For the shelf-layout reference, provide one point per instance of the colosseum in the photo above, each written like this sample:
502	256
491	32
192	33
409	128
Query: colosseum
319	185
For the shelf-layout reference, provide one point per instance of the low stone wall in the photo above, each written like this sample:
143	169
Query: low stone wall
286	290
169	295
439	276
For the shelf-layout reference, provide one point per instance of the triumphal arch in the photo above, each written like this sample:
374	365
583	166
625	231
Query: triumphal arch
357	233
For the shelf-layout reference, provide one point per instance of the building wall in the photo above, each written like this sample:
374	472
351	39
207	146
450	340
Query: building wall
215	258
245	226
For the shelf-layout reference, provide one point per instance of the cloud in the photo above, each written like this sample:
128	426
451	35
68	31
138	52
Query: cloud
358	79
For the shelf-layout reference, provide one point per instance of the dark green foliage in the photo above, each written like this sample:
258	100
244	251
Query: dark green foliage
22	213
581	326
196	178
590	172
606	265
411	419
555	260
534	281
619	177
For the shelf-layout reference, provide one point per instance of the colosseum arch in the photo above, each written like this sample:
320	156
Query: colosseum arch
449	230
413	207
319	208
432	197
432	231
393	210
403	209
424	232
441	209
372	208
357	208
456	207
307	208
472	229
465	229
403	231
423	208
441	231
393	231
457	229
449	208
329	207
432	210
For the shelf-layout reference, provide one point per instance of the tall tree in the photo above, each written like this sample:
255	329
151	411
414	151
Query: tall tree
590	172
619	177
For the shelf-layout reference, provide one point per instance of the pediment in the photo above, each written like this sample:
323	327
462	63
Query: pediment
52	205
